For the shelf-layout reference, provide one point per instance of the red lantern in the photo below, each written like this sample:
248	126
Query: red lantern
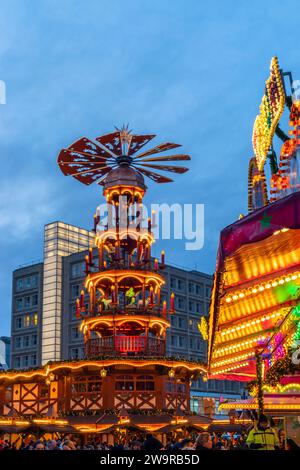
156	264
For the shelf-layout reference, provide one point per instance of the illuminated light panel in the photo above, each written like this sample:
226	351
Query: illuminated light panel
271	109
227	369
254	406
262	287
229	361
251	323
237	346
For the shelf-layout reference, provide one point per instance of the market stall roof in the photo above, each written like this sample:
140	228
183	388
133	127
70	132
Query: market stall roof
127	426
12	429
256	286
226	427
38	429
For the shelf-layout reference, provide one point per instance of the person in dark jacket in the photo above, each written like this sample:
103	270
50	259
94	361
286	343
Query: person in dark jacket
204	441
151	444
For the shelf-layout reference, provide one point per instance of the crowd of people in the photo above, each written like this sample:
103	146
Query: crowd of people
261	436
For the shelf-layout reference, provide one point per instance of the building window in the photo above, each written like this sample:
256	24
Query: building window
18	342
173	283
19	303
191	306
191	343
200	289
207	291
86	384
34	300
181	341
191	287
25	361
27	282
27	302
124	382
19	322
34	340
26	321
77	270
19	284
180	302
26	341
17	362
180	284
35	319
181	322
173	340
144	383
33	360
75	291
77	353
200	308
34	281
75	332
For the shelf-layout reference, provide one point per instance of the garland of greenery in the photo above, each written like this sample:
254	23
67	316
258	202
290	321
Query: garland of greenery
104	358
281	367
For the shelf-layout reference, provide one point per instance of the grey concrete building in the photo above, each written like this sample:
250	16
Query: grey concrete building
44	325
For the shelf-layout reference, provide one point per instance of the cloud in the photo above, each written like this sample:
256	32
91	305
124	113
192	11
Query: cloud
25	206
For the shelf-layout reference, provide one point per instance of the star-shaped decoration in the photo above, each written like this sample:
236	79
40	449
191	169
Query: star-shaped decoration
265	222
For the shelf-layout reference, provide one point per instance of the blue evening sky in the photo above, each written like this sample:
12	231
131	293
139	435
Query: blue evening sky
189	71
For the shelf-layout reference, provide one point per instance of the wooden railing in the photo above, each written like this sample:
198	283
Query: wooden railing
125	346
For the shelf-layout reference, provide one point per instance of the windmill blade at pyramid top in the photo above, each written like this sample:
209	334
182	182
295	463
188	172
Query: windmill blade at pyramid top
155	176
87	147
159	148
67	156
72	169
173	169
90	161
167	158
91	175
112	142
138	141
